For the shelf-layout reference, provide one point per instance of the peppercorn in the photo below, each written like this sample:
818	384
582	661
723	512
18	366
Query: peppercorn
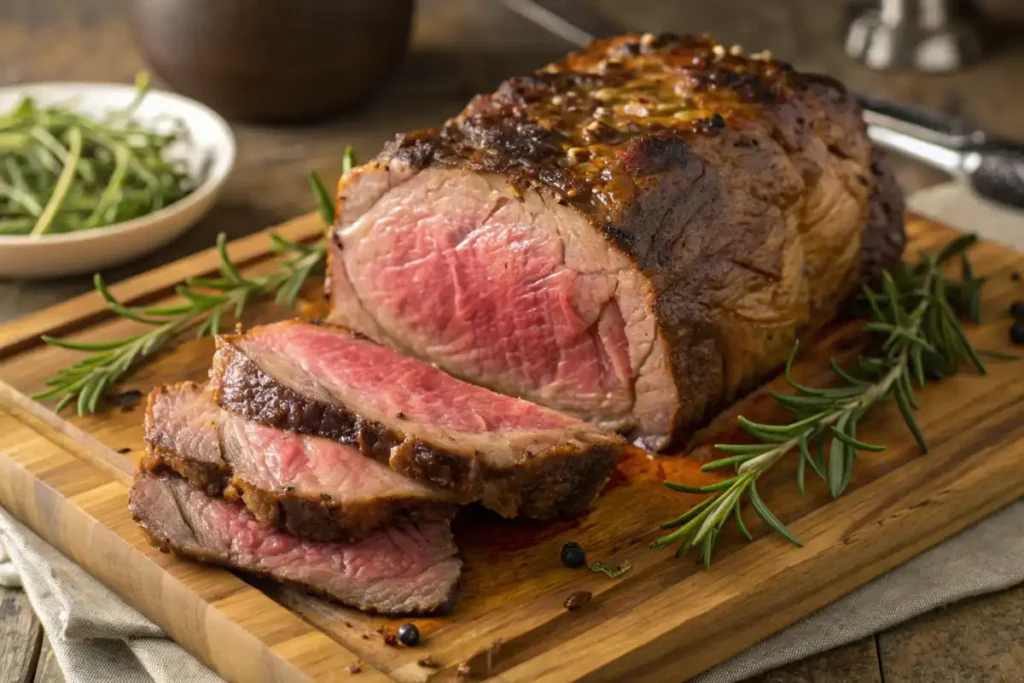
573	555
1017	310
577	600
1017	333
409	635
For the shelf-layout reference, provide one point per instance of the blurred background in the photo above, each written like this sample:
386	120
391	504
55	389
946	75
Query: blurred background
374	82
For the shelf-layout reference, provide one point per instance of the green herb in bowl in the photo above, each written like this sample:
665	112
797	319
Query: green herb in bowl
63	171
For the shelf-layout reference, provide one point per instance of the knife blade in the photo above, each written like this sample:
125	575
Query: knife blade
994	167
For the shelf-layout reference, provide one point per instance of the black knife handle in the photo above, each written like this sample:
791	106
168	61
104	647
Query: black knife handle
1000	173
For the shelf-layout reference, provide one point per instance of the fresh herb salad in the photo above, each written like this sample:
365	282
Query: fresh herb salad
63	171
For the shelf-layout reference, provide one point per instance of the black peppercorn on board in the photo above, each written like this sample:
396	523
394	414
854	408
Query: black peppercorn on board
664	619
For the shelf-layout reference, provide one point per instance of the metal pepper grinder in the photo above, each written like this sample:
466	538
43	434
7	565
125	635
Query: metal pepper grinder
935	36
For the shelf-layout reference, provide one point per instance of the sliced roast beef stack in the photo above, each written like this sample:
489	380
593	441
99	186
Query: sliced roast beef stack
515	457
624	240
310	487
633	235
314	451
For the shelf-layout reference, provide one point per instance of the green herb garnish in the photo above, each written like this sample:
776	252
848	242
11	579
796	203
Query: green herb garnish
207	301
915	336
63	171
611	571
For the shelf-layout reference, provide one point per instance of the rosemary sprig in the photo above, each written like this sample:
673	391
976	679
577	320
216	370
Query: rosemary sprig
915	337
207	301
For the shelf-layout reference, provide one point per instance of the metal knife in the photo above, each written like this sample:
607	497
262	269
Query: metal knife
994	167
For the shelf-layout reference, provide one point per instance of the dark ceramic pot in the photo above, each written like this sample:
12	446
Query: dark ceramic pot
273	60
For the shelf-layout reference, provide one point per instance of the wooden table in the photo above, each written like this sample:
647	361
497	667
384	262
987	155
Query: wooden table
465	46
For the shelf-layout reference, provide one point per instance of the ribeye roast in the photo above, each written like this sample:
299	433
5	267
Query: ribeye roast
401	569
515	457
309	486
633	235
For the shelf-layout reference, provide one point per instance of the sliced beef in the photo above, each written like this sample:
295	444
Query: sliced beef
634	235
515	457
404	568
309	486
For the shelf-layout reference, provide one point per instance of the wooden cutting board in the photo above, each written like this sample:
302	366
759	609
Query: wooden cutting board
667	619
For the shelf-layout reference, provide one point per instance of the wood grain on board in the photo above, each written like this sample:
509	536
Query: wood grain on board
664	620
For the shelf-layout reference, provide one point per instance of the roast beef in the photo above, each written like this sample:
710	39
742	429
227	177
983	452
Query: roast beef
633	235
308	486
513	456
404	568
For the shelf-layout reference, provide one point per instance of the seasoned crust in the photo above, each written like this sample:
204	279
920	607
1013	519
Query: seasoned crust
593	126
239	385
883	239
747	193
319	519
552	481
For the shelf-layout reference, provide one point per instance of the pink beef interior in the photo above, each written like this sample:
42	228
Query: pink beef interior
275	461
376	378
190	423
402	568
511	291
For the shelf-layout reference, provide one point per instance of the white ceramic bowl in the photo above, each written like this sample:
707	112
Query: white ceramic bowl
211	149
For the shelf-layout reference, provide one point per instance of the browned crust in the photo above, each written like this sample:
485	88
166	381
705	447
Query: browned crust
166	545
239	385
884	238
551	482
319	519
689	159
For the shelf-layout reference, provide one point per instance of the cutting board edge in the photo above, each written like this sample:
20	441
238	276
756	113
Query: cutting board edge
130	568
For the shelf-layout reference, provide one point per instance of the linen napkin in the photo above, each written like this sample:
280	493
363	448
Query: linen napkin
98	638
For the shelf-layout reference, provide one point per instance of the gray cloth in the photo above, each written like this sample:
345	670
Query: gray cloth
98	638
984	558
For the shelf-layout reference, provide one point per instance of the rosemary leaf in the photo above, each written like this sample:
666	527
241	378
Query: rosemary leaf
324	203
801	474
754	448
853	442
770	519
908	417
686	488
722	463
740	525
348	160
688	515
837	459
